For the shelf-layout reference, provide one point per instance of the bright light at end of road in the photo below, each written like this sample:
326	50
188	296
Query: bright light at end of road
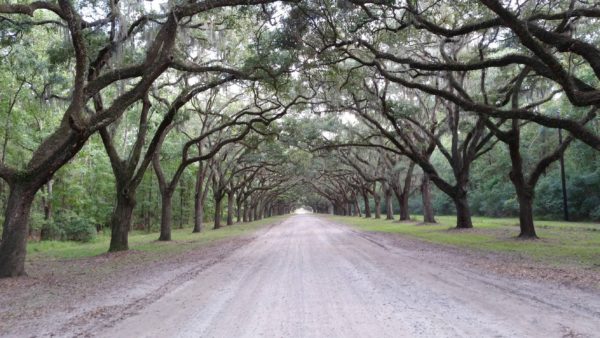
302	211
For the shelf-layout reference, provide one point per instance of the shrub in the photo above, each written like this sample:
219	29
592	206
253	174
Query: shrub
75	227
52	231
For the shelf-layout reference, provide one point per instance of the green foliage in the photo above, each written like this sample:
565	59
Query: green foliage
54	231
74	227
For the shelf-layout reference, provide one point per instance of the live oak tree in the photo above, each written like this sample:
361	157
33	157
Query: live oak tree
526	172
90	78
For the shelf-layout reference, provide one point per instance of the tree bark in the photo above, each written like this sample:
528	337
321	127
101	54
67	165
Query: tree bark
356	207
463	212
377	198
526	214
367	205
15	229
403	202
525	192
405	194
201	193
166	215
245	213
238	211
261	211
389	207
428	214
230	197
120	221
198	212
218	212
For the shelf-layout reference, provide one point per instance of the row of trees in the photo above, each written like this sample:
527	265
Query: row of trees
459	80
172	88
189	99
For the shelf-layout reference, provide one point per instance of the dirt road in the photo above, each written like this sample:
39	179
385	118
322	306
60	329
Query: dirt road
308	277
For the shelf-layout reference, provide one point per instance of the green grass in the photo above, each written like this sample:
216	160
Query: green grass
560	243
182	240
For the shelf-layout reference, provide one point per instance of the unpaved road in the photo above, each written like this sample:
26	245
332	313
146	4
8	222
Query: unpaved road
308	277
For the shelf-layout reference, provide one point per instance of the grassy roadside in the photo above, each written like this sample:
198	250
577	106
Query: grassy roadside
560	243
182	240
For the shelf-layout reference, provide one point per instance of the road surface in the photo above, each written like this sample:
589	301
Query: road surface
309	277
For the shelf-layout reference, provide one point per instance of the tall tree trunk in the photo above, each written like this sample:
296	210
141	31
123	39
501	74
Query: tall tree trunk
428	215
201	193
365	196
377	198
526	214
166	215
404	209
230	199
405	195
261	211
238	210
356	207
463	211
525	192
245	213
389	207
218	211
14	235
120	221
198	212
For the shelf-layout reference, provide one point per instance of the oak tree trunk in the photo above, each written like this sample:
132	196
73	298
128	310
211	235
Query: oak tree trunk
367	205
526	215
238	211
428	215
463	212
218	212
230	208
404	211
389	207
120	221
245	213
525	192
356	207
14	235
166	215
198	212
377	205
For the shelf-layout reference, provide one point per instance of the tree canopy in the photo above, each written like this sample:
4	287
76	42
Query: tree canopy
145	115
